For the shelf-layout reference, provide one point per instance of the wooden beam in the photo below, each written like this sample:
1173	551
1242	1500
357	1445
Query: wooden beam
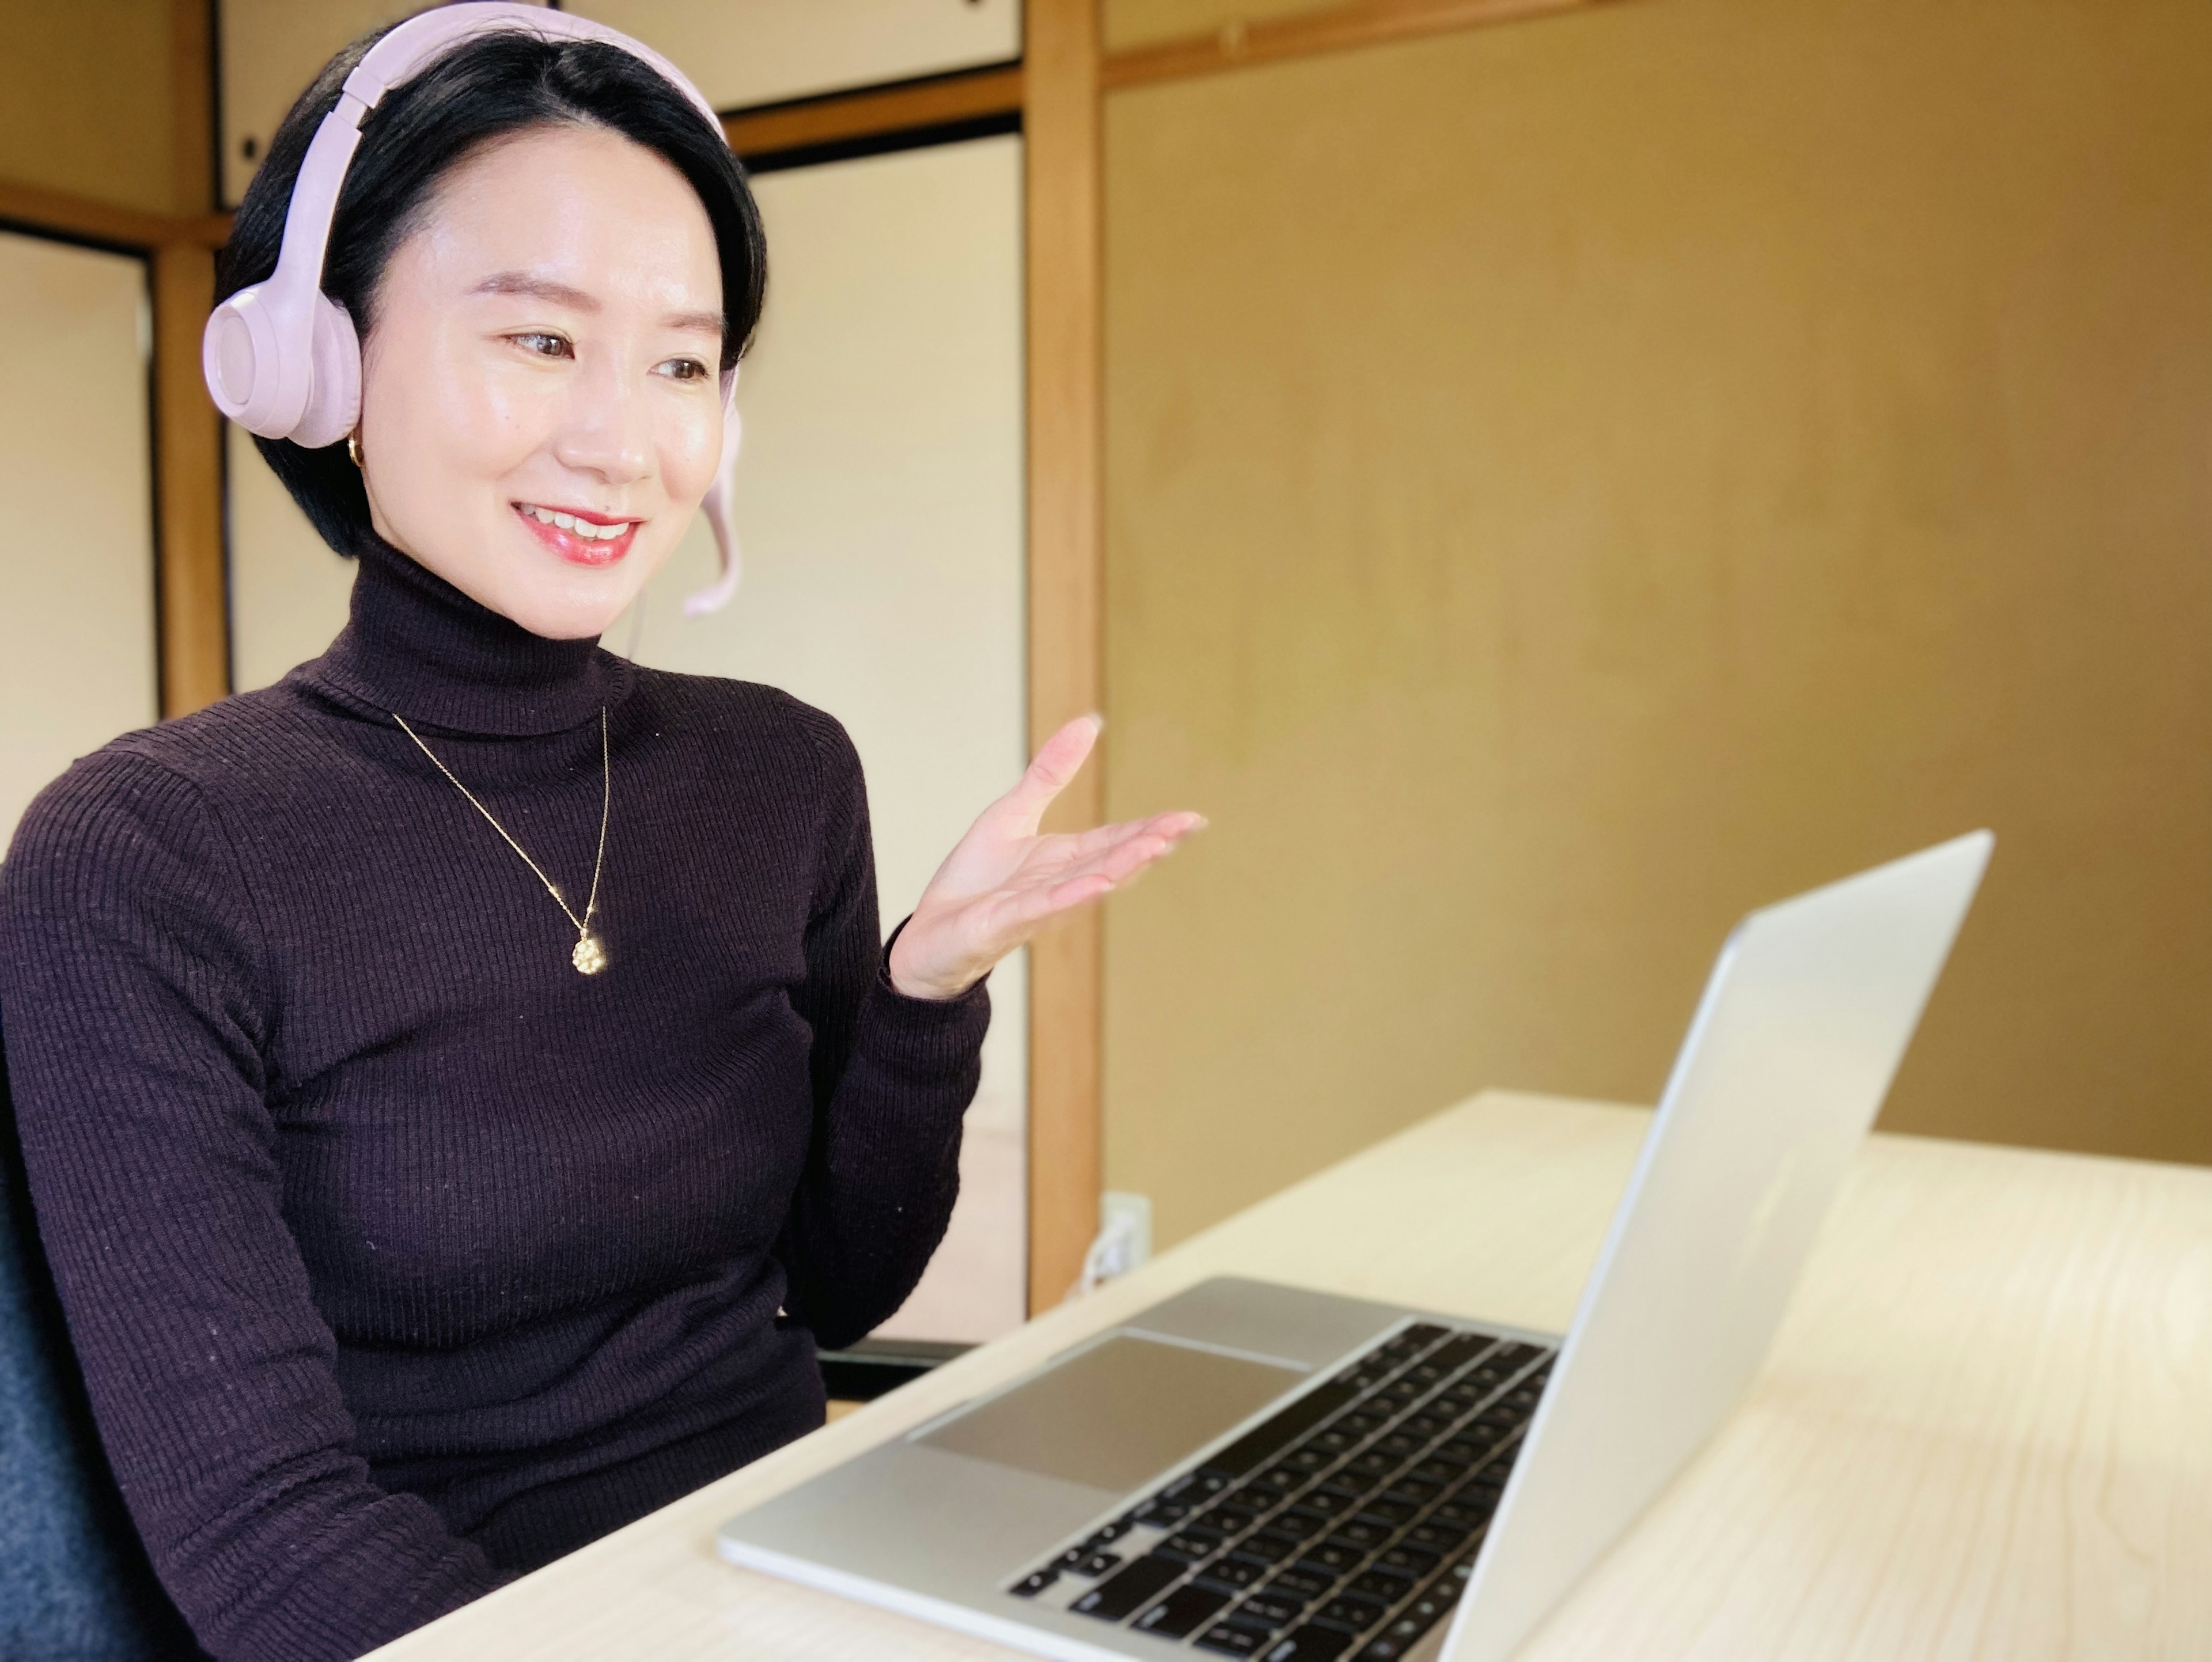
1334	28
191	125
942	101
188	486
64	215
1065	599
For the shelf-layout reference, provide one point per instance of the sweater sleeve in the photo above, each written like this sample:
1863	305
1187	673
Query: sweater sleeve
132	979
892	1076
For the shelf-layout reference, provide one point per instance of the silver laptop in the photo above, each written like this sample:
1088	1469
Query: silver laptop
1249	1469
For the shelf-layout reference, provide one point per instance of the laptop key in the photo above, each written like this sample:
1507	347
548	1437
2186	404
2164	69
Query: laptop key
1349	1483
1228	1520
1195	1489
1437	1535
1362	1535
1333	1557
1310	1644
1230	1639
1382	1587
1132	1585
1267	1548
1409	1558
1302	1583
1234	1573
1190	1545
1298	1522
1031	1585
1255	1496
1182	1612
1457	1354
1404	1631
1387	1512
1271	1608
1258	1446
1352	1613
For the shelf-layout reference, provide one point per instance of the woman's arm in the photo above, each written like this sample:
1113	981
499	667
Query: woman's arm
892	1076
132	983
897	1034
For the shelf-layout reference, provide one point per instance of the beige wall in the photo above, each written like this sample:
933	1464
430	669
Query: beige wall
1570	482
76	547
87	107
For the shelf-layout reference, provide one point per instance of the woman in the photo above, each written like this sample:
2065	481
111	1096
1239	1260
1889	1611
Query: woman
462	1084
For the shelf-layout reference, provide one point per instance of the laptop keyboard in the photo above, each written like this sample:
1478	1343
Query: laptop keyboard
1343	1526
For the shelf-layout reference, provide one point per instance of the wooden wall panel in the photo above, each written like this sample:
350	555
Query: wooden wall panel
1061	138
88	109
188	486
1571	481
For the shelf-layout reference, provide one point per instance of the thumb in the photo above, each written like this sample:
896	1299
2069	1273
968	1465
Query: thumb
1058	762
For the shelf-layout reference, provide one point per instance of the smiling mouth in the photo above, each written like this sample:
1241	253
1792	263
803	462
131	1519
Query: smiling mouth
581	539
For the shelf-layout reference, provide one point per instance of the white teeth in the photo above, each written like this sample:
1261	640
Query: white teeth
569	523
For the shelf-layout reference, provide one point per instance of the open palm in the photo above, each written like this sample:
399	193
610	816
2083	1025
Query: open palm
1005	879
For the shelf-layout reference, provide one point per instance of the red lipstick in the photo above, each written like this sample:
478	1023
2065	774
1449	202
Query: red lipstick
580	542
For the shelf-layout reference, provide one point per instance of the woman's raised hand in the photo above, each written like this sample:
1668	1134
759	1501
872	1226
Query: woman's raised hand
1004	880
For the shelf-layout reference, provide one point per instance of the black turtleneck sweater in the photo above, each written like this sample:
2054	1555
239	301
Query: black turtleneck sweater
399	1256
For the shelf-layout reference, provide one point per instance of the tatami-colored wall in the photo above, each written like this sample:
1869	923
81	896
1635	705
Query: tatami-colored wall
88	105
1571	481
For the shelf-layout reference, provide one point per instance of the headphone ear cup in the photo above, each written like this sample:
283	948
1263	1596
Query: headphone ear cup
241	358
333	407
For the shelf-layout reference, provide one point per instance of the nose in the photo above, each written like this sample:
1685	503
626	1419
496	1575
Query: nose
603	431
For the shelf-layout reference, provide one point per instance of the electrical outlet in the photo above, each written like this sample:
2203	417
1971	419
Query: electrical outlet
1125	1219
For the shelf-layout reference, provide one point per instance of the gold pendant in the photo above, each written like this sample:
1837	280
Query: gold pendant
589	958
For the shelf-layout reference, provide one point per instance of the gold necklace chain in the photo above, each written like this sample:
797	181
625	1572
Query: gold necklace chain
589	955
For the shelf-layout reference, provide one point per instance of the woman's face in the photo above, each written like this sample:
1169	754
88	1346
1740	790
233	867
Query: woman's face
541	404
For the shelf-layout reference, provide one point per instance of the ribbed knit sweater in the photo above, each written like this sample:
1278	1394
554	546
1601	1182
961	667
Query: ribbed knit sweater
399	1256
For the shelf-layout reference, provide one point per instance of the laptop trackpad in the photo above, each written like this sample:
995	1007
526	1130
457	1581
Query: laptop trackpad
1115	1414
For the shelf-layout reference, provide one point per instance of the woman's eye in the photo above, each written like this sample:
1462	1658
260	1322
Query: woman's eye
684	369
545	346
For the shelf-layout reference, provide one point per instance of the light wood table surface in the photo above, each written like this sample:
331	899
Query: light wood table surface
1985	1431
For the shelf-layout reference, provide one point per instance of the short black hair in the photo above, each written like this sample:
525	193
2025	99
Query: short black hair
486	89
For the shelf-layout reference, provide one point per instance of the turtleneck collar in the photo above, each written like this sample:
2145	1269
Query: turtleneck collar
417	645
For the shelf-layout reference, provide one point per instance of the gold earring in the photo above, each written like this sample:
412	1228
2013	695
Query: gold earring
353	446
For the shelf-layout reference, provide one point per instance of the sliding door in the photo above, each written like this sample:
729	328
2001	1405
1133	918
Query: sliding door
879	497
76	558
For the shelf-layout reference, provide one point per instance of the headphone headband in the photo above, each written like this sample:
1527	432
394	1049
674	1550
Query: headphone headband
281	358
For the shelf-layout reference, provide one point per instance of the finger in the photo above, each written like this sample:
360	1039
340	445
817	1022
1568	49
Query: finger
1173	826
1059	760
1116	864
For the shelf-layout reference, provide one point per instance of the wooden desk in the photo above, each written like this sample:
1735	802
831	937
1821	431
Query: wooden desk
1986	1432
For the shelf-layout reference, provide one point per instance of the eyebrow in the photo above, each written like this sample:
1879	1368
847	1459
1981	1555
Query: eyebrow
562	294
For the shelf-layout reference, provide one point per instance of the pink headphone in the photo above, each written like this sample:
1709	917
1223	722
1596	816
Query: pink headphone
281	358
